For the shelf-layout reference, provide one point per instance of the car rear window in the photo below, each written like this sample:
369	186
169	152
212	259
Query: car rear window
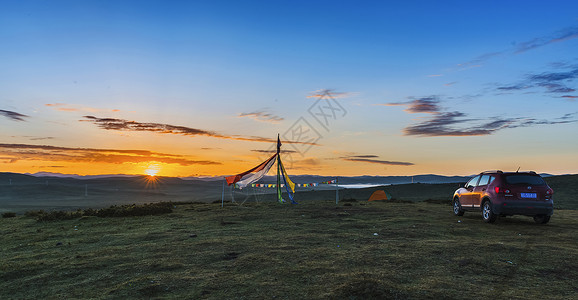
524	179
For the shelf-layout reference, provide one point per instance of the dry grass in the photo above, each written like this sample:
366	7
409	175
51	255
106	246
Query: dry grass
309	251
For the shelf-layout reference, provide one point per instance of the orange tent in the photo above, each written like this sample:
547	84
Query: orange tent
378	195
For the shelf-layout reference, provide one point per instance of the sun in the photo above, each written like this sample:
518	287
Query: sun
152	170
152	182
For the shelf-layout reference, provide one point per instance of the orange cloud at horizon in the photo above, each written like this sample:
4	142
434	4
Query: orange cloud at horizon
76	108
23	158
27	158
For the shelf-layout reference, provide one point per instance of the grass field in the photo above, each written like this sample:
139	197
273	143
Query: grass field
314	250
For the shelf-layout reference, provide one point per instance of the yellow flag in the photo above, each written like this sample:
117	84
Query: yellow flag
289	182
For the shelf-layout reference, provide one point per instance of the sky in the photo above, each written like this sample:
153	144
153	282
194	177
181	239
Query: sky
203	88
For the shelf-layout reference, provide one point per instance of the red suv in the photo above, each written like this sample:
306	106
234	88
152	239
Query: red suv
498	193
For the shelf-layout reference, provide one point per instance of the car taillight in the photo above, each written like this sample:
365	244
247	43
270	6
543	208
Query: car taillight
550	192
500	190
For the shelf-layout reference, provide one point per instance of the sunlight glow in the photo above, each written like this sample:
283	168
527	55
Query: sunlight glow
152	170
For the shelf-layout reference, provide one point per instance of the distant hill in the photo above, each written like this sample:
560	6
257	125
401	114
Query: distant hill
6	176
366	179
60	175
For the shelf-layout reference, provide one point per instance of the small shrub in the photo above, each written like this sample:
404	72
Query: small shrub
438	201
90	212
8	215
147	209
349	200
59	216
34	213
219	201
395	200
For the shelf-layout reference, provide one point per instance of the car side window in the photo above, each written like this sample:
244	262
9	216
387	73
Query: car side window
473	182
492	178
484	180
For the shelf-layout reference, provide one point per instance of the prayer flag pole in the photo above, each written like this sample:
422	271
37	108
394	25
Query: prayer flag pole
246	178
279	197
223	195
336	190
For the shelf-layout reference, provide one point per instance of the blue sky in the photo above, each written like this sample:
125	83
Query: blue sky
453	87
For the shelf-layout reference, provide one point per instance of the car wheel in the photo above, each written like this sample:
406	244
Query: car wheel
541	219
487	213
458	211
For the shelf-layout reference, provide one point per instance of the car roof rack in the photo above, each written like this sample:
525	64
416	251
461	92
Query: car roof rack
501	172
492	171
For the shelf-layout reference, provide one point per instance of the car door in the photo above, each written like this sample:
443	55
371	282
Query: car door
479	191
467	191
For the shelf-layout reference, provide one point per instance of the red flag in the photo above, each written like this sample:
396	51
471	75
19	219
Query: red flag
234	178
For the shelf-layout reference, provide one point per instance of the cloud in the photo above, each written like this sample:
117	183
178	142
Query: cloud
363	156
561	65
518	87
42	138
570	97
560	36
422	105
93	155
120	124
556	88
372	159
76	108
14	116
262	116
568	116
34	138
273	151
565	119
126	125
456	124
8	160
49	166
551	82
477	62
307	162
327	93
555	76
442	125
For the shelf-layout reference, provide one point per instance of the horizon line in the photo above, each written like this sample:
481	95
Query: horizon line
55	174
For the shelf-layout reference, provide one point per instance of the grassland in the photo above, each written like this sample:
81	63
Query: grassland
314	250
